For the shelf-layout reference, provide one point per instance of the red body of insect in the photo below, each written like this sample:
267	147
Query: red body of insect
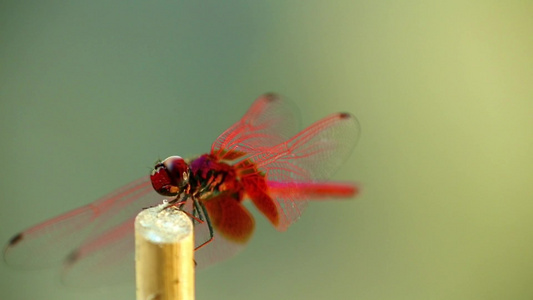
261	157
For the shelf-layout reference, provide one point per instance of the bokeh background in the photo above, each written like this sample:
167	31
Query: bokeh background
93	92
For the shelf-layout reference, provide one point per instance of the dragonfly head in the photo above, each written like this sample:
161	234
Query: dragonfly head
170	176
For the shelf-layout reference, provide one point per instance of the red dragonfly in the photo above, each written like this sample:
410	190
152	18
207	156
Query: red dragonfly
261	158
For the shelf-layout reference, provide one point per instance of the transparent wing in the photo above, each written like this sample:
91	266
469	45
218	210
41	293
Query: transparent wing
95	243
102	260
233	226
53	241
268	122
312	156
109	258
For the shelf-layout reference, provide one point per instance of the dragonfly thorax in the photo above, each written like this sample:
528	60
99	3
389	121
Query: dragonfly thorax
208	175
204	176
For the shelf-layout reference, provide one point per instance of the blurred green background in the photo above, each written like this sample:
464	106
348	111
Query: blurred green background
93	92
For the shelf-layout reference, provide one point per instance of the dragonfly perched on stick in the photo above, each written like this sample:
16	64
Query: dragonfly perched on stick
262	158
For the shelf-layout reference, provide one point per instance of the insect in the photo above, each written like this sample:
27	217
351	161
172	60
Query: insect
262	158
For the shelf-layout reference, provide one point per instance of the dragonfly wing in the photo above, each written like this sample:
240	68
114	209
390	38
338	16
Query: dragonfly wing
268	122
106	259
233	226
220	250
109	258
230	218
53	241
313	155
49	242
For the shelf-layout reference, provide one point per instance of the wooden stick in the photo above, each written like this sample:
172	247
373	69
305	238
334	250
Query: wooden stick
164	254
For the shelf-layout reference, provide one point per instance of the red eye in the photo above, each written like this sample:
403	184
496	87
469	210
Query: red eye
170	175
177	169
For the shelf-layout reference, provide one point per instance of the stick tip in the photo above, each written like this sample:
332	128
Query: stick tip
163	225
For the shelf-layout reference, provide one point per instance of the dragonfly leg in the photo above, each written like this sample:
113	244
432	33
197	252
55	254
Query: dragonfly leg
193	217
180	204
208	221
178	200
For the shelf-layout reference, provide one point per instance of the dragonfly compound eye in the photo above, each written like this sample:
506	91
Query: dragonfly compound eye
178	170
170	175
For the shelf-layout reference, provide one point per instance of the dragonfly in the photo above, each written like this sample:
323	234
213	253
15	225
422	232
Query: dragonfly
261	158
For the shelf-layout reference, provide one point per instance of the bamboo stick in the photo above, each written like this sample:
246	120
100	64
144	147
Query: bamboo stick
164	255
